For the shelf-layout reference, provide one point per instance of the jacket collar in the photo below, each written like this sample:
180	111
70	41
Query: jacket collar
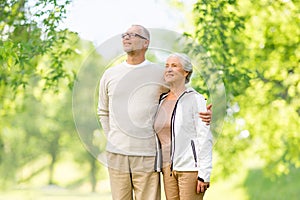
164	95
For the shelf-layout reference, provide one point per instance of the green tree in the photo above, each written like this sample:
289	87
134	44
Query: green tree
38	61
272	41
29	30
255	46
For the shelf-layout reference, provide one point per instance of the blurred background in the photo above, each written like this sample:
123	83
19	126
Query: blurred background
255	49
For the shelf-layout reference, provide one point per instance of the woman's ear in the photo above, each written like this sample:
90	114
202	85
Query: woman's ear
186	73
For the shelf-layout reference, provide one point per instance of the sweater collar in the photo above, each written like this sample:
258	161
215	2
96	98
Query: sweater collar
144	63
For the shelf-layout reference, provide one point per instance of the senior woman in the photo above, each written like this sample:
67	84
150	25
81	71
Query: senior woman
185	140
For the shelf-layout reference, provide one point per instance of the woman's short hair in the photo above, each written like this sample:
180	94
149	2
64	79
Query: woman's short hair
186	64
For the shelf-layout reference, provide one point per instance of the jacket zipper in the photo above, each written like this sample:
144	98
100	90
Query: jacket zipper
158	157
172	138
194	152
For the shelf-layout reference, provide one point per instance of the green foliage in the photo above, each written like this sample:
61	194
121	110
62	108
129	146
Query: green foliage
281	187
33	56
29	30
40	125
275	90
38	61
255	46
217	24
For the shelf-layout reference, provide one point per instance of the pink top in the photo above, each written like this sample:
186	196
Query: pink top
162	127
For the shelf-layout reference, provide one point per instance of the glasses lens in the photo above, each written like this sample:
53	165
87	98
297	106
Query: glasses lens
130	35
124	35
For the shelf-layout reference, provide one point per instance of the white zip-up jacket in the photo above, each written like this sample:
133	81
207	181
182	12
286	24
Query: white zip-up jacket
191	138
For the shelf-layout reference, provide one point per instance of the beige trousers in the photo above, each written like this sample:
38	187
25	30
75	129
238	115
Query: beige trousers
181	185
133	177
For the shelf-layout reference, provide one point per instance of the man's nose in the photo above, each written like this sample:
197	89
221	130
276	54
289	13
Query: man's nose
127	36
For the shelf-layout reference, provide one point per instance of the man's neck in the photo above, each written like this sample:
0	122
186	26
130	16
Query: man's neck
135	59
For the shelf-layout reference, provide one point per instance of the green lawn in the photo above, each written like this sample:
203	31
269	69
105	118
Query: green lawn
285	187
54	193
103	193
252	185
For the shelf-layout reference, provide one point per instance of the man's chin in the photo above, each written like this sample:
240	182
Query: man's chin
130	50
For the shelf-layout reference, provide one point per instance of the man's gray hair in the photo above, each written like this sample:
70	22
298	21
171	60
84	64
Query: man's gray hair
145	31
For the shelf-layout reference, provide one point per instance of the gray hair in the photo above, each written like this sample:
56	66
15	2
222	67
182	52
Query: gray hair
186	64
145	31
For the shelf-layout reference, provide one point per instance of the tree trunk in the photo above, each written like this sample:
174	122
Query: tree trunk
93	172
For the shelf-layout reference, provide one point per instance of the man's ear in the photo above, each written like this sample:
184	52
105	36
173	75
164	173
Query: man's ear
146	43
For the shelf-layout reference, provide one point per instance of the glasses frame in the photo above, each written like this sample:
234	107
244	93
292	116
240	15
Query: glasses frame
130	35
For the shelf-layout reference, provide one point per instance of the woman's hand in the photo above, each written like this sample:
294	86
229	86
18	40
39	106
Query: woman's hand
202	186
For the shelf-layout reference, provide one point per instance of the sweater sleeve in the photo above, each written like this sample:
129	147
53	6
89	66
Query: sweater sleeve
204	142
103	105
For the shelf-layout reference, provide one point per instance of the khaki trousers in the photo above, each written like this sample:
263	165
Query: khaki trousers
134	178
181	185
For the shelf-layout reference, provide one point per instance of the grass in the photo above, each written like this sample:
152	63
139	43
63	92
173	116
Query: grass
284	187
52	195
53	192
245	185
219	189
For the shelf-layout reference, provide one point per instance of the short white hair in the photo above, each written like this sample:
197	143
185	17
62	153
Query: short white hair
186	64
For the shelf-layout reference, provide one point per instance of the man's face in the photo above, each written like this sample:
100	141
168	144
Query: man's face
134	40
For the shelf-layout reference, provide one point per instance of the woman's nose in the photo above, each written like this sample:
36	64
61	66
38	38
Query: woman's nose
169	69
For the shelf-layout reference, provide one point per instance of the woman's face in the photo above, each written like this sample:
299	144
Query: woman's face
174	72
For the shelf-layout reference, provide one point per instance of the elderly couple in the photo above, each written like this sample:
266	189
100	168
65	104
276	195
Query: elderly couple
154	123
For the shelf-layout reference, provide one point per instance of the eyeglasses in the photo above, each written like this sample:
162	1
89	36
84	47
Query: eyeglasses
130	35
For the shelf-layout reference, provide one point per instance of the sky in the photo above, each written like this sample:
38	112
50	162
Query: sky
99	20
